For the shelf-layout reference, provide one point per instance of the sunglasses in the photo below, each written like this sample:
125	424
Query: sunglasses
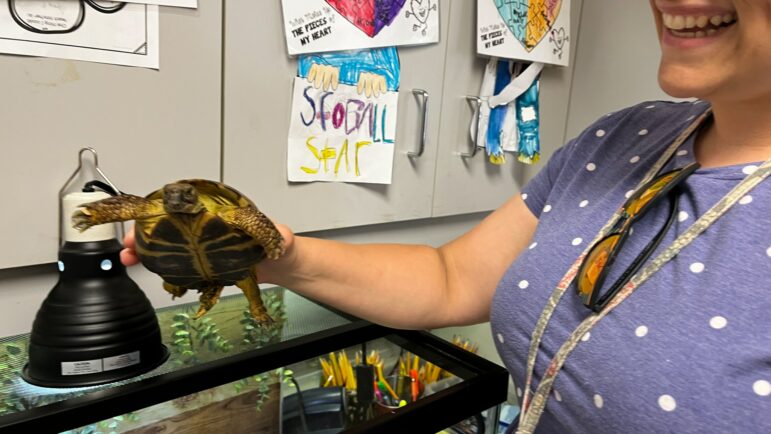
595	266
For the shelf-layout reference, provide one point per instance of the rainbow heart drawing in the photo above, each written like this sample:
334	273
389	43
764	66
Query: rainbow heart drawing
529	20
370	16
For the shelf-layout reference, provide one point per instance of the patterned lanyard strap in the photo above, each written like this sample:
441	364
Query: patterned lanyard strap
532	407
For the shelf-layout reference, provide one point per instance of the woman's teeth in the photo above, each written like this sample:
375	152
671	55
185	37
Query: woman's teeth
696	26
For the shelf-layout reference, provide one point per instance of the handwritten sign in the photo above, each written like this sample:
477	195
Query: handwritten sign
530	30
315	26
341	136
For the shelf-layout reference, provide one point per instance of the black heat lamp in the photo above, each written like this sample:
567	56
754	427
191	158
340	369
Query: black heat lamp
95	326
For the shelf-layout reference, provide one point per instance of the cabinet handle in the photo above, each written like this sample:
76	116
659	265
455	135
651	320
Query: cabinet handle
424	132
478	101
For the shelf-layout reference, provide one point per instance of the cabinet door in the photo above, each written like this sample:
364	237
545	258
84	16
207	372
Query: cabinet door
148	126
465	185
257	101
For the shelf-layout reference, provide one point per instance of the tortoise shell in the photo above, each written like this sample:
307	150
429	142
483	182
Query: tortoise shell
201	250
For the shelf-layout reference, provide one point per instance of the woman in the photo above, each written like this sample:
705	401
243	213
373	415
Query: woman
687	352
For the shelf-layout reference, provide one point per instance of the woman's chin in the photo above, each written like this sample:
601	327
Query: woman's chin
680	84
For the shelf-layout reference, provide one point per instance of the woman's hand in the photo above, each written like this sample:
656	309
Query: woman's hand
128	256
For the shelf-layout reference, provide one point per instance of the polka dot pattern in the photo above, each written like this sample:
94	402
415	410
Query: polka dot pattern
557	395
500	337
749	170
718	322
667	403
762	387
577	206
524	196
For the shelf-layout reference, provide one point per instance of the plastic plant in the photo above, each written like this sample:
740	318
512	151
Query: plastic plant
253	333
190	336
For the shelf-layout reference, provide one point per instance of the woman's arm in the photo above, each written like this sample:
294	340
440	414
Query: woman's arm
408	286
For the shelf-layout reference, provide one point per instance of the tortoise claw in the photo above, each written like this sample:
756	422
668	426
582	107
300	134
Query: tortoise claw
201	312
81	220
262	318
208	299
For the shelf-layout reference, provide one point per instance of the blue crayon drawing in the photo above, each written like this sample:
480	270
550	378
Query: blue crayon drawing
352	64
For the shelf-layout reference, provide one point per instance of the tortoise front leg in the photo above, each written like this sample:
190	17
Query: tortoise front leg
258	226
115	209
251	290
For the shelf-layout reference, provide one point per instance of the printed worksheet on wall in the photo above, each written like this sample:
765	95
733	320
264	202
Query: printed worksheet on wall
91	30
314	26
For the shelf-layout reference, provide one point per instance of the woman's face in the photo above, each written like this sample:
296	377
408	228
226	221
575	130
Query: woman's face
718	50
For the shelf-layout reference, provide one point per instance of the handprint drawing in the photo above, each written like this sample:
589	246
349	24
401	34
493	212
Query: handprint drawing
373	71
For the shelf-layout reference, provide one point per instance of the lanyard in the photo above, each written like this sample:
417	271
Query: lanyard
532	407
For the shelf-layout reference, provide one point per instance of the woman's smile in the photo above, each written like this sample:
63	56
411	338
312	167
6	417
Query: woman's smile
691	26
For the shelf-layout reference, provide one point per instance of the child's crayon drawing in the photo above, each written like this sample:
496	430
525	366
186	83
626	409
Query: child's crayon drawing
315	26
534	30
344	117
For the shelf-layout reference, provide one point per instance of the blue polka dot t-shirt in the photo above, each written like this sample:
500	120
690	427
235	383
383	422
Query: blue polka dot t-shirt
690	350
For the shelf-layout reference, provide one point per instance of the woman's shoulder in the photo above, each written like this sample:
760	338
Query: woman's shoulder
640	132
614	151
647	123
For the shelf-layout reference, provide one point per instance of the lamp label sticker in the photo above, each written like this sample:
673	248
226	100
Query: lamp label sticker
84	367
122	361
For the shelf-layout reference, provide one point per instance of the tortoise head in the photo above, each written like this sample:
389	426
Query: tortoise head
181	198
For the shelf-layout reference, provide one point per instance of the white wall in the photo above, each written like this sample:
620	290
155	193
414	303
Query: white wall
616	61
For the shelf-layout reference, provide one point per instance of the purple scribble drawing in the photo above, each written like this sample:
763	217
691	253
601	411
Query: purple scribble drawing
386	11
370	16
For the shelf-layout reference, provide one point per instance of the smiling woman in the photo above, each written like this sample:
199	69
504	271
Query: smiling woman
669	331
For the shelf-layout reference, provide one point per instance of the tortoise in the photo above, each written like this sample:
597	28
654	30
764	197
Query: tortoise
196	234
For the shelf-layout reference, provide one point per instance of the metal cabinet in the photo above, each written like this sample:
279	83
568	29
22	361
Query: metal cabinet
257	102
465	185
148	126
257	93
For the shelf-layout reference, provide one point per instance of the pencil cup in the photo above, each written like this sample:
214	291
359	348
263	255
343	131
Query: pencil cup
402	387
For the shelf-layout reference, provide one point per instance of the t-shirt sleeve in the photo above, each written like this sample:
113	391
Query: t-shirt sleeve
537	190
